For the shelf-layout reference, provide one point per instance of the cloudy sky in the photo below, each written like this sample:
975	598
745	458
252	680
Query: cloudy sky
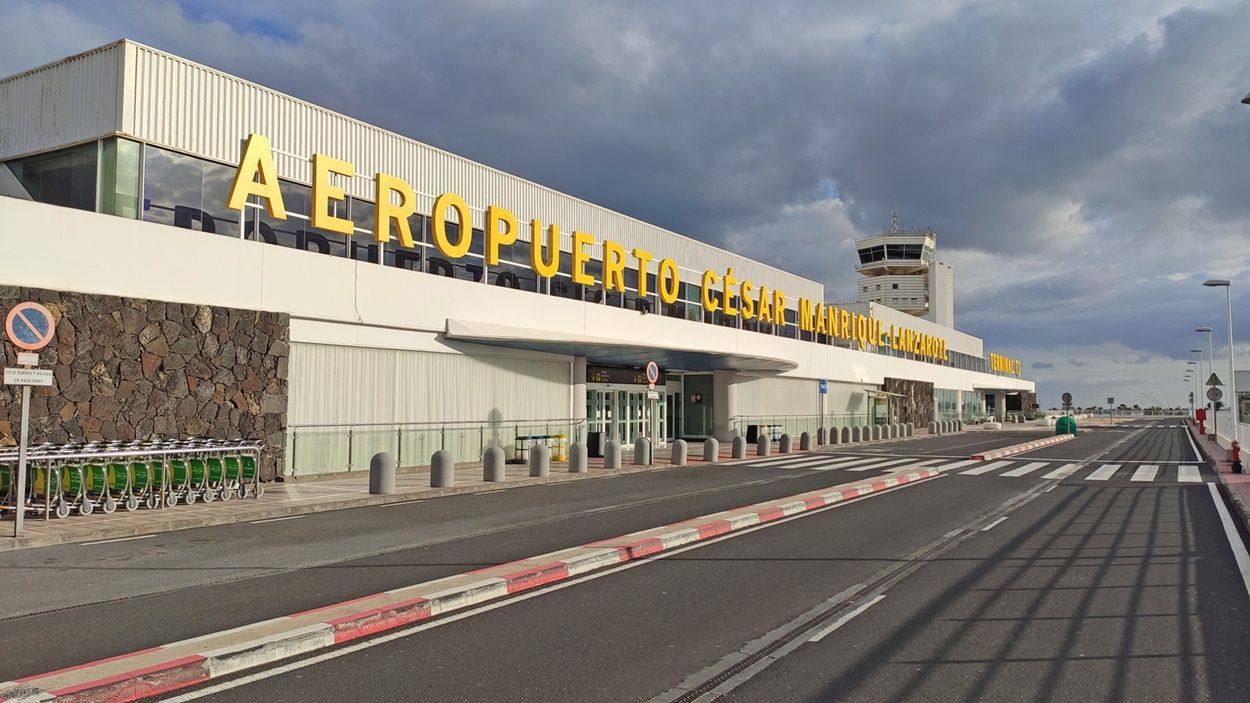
1086	164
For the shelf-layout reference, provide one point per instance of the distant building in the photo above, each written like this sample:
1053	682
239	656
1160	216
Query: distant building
898	268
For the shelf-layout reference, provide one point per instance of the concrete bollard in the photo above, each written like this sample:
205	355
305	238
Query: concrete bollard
805	441
876	432
540	461
492	465
382	474
821	435
442	470
896	431
612	455
959	425
739	447
711	449
846	435
786	445
933	427
866	433
577	458
642	452
678	456
855	434
764	446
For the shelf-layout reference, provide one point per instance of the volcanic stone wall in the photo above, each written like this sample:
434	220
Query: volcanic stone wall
916	405
128	368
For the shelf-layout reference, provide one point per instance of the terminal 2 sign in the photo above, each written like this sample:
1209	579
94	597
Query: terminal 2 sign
395	201
1002	364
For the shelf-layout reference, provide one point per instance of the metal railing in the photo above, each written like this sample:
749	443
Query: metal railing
333	448
795	425
1224	423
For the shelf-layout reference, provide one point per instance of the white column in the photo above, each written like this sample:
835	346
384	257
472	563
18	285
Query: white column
724	403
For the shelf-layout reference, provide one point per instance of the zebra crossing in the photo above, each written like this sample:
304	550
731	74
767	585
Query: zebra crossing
1145	427
1006	468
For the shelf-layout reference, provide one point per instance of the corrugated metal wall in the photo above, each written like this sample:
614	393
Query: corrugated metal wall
776	396
181	105
61	103
338	384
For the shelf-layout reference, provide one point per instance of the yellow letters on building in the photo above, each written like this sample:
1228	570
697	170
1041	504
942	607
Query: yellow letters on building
581	240
728	292
613	266
438	225
748	303
709	283
643	257
670	281
779	308
387	211
495	238
323	191
763	310
257	176
545	266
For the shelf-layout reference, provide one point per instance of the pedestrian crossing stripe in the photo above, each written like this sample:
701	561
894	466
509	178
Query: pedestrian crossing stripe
1008	468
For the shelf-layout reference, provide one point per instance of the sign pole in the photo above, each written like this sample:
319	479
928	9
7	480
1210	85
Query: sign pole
20	512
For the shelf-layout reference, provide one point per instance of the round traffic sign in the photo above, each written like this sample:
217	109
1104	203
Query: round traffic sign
1214	394
30	326
653	372
1067	397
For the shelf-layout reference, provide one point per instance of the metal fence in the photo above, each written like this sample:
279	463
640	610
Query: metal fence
317	449
1224	424
795	425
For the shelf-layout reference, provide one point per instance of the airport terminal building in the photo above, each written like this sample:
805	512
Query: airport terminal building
228	260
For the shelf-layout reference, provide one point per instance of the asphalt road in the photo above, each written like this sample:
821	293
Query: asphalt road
1089	590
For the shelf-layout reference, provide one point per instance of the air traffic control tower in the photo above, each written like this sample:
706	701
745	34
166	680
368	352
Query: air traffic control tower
899	268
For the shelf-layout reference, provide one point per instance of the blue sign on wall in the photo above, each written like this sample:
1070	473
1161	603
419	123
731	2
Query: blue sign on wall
824	387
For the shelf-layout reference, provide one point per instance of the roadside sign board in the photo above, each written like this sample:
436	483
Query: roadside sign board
1110	401
824	386
1214	381
653	395
1214	394
653	372
29	326
27	377
1067	397
27	359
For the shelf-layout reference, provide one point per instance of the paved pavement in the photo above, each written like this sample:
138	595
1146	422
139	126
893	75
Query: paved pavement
1070	572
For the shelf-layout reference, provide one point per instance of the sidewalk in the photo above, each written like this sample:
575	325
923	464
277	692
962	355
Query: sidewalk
1236	486
309	494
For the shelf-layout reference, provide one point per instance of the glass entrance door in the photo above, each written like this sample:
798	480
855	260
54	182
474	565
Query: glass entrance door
624	416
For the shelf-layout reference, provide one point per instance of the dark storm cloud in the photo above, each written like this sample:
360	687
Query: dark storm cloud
1085	164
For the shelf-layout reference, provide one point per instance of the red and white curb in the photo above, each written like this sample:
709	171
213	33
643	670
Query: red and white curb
1018	448
194	661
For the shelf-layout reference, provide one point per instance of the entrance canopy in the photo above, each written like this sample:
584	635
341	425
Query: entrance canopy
608	351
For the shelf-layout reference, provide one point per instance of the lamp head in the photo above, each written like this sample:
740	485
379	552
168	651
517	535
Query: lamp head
1202	329
1216	283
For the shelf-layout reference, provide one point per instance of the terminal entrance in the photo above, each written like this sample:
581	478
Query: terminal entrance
624	415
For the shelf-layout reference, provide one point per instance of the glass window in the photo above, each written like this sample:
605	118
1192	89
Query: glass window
187	192
364	246
64	177
119	175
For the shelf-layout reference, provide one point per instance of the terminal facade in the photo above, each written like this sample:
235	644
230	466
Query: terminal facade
233	260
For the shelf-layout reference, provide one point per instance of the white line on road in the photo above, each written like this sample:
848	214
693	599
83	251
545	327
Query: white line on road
1145	472
959	464
1063	471
1024	470
119	539
881	464
1048	490
910	466
994	524
1188	474
1190	437
1103	473
986	468
1234	539
846	618
276	519
461	615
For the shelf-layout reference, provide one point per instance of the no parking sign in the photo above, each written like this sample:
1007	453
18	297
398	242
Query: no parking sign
30	326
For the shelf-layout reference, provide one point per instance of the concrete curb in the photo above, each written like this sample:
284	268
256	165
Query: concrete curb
1020	448
1233	496
198	660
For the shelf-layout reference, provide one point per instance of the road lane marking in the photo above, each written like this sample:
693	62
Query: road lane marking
881	464
1188	474
847	617
119	539
1189	436
216	688
1103	473
1145	472
985	469
994	524
916	465
958	465
1063	471
816	461
1234	539
276	519
1024	470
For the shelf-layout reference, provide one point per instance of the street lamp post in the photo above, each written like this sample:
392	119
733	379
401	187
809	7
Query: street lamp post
1210	347
1232	369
